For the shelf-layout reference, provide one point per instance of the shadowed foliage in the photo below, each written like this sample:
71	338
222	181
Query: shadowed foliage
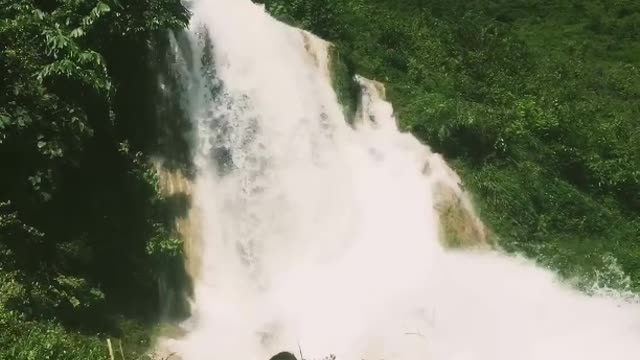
85	236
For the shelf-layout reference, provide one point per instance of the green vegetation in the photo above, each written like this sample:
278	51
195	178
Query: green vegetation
535	102
85	237
347	90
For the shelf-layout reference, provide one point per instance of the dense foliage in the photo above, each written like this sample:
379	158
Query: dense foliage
85	237
535	102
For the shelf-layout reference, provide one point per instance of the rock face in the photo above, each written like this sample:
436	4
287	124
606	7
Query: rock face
318	51
173	182
459	226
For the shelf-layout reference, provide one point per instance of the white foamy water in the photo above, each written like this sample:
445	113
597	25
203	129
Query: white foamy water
324	237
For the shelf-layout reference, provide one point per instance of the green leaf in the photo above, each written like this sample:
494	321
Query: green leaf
39	14
74	301
76	33
102	8
4	121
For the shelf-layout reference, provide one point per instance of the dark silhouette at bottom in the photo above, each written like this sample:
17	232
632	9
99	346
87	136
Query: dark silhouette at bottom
284	356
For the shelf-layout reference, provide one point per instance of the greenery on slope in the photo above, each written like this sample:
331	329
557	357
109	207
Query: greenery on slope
535	102
85	237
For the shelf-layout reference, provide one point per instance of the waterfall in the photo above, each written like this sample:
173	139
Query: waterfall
323	237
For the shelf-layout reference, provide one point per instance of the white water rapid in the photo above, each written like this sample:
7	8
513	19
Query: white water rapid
321	237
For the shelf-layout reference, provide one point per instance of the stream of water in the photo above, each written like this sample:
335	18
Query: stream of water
322	237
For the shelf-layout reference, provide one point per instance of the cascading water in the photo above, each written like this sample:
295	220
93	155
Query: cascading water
321	237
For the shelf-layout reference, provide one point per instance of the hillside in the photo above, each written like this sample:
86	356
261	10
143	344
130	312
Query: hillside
535	103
